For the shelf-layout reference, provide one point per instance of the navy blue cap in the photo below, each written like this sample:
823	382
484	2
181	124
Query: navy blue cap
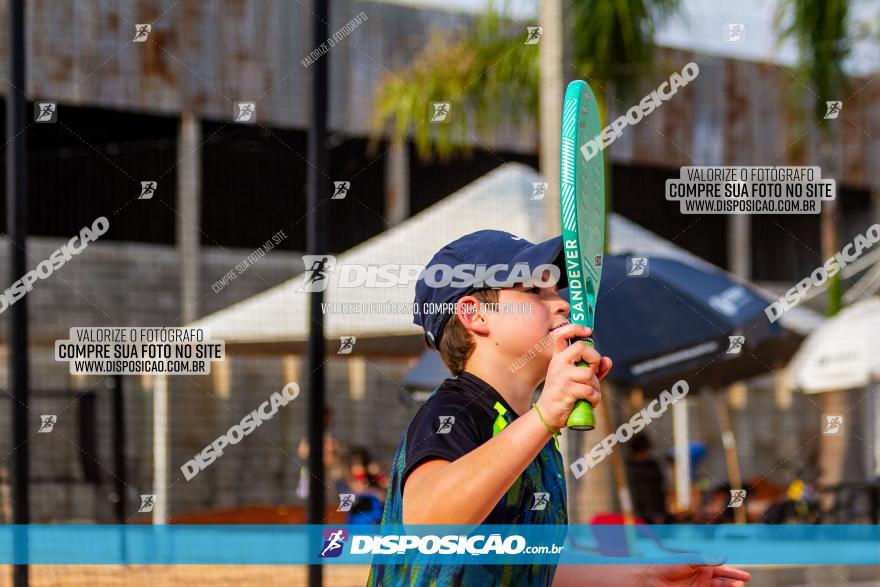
486	259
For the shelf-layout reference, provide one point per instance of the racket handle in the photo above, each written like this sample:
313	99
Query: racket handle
581	417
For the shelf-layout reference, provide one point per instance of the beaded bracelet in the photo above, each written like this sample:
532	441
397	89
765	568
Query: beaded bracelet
552	430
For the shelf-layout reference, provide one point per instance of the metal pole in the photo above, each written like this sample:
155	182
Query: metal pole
552	71
682	456
16	222
316	228
728	440
160	448
120	478
119	448
624	496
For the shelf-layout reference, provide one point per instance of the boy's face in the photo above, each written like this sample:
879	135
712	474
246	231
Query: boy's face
521	328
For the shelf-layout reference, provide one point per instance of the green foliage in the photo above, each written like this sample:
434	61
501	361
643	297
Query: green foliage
614	39
819	27
489	75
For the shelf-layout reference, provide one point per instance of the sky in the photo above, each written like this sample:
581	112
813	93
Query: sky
702	25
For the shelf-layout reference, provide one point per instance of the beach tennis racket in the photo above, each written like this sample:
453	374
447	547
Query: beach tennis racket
582	204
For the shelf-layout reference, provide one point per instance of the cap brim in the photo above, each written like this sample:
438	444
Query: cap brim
548	252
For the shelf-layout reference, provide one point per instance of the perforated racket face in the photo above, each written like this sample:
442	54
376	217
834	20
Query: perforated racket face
582	201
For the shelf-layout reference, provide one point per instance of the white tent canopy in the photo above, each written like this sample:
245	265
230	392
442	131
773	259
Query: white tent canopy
842	353
500	200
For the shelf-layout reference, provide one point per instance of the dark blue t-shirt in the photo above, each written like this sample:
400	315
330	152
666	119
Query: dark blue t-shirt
462	414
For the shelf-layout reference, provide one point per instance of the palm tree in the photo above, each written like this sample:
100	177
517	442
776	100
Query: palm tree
820	29
490	74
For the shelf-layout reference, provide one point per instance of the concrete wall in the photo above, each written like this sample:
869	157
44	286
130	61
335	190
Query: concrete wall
120	284
204	56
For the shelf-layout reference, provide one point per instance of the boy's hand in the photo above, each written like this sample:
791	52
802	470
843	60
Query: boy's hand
566	382
698	576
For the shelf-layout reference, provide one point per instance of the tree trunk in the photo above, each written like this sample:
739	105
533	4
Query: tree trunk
552	90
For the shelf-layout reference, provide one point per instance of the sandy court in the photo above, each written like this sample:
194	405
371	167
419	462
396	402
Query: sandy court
189	575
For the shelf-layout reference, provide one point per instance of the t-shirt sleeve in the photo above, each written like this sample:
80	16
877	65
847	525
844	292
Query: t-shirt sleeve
445	427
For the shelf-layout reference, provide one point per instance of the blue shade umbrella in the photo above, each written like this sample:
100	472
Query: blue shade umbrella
428	372
666	321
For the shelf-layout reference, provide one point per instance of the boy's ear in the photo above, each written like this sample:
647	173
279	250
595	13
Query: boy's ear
467	310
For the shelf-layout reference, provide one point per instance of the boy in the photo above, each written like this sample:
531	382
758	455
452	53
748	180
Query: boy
498	456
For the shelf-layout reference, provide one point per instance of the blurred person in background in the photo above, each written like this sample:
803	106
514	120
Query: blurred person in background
700	489
366	474
369	485
334	460
648	481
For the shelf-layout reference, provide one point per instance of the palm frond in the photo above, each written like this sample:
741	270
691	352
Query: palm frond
614	39
488	76
819	27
